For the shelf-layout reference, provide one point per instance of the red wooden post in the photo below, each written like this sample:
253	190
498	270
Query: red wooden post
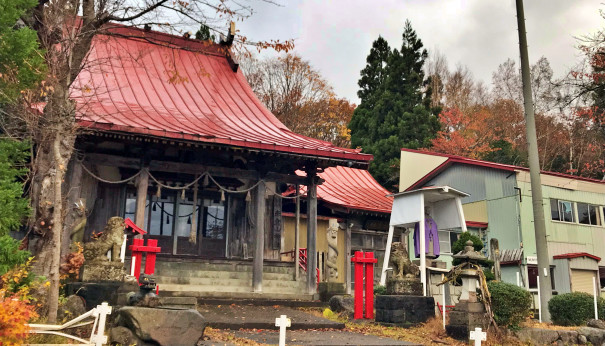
369	263
150	256
137	257
358	260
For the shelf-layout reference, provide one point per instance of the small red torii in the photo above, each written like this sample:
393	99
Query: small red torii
139	248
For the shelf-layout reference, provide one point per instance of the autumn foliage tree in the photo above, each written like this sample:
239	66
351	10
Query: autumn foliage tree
300	97
464	134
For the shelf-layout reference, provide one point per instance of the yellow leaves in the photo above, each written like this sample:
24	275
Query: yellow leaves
174	77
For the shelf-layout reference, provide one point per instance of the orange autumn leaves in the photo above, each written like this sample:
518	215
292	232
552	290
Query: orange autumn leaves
567	144
300	97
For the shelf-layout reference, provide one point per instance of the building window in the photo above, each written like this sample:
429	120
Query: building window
215	222
561	210
532	273
589	214
446	240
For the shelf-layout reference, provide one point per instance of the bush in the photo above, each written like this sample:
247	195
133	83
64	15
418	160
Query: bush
379	290
510	304
461	242
573	309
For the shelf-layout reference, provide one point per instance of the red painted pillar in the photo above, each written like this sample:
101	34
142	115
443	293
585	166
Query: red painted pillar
369	263
150	256
137	256
358	260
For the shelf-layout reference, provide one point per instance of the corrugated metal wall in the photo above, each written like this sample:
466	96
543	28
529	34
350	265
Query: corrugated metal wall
498	189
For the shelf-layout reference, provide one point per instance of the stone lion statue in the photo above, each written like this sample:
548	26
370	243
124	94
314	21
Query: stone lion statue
400	262
111	239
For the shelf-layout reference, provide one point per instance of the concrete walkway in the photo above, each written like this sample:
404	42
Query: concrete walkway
261	317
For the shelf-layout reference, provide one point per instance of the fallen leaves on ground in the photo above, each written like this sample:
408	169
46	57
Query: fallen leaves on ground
227	336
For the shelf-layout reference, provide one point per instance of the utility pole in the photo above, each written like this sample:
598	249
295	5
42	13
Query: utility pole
534	171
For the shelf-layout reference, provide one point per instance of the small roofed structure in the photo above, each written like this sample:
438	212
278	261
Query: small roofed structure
360	205
409	211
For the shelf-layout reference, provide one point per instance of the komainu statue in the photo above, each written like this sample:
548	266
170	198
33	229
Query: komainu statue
332	261
97	267
111	239
401	264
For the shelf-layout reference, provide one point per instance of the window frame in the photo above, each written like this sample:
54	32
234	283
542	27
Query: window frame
556	215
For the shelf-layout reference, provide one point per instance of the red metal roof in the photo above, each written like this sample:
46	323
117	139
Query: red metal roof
451	159
352	188
576	255
149	83
476	224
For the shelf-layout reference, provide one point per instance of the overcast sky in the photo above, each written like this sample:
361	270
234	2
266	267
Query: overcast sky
336	36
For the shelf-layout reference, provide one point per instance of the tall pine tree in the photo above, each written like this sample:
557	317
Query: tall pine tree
395	108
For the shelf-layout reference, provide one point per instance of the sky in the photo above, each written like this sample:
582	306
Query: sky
336	36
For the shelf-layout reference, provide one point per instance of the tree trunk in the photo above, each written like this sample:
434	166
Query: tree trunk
55	147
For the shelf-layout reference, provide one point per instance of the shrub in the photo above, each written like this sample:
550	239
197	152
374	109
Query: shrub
573	309
10	255
489	276
379	290
461	242
510	304
15	313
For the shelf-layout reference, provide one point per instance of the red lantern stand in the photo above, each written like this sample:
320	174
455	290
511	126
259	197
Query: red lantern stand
360	259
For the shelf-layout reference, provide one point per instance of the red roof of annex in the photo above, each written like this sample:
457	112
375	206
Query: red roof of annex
161	85
352	188
451	159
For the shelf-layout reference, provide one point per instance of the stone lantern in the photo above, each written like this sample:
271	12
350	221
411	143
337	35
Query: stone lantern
468	313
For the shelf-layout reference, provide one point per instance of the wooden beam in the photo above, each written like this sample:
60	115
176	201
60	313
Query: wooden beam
311	231
114	161
259	246
191	168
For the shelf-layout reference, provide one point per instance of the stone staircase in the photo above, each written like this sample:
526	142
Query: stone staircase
231	280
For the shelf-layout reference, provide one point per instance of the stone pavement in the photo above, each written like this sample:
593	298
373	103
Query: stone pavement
261	317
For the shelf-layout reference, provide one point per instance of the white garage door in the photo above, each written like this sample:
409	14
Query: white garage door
581	280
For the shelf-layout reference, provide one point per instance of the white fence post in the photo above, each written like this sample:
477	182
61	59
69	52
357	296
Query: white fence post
595	292
539	301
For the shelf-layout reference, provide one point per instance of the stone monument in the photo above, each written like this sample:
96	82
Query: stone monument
403	303
331	287
469	313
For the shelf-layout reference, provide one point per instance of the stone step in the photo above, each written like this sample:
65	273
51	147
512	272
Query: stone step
215	274
217	283
198	291
285	268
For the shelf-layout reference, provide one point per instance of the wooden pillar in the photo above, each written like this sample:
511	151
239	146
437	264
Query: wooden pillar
297	237
142	185
312	230
348	257
259	246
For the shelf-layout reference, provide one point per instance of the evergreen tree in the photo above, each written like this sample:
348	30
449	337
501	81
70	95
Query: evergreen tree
395	108
203	34
21	61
